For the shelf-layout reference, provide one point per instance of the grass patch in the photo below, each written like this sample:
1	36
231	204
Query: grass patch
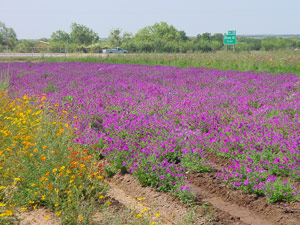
4	79
285	61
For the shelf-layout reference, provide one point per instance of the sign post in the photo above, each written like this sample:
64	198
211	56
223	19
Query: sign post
230	39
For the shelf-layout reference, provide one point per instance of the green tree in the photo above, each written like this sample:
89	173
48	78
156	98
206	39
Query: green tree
126	36
114	38
83	35
8	36
60	36
159	37
218	37
26	45
206	36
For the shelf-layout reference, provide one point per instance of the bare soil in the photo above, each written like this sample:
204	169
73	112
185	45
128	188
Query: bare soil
38	217
249	206
169	206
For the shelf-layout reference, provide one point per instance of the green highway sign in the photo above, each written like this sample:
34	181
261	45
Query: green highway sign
229	39
232	32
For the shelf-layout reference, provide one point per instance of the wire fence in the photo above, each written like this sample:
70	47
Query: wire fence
51	49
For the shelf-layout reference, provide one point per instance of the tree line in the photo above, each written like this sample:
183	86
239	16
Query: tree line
160	37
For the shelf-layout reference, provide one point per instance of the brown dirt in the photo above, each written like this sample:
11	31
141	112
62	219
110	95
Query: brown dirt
169	206
210	188
163	203
38	217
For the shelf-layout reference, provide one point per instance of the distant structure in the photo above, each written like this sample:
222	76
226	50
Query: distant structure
43	44
261	36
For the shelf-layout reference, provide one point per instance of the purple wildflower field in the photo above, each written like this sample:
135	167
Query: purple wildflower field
158	122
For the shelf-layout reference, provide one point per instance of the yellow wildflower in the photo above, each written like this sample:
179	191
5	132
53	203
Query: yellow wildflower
139	216
144	210
8	212
80	218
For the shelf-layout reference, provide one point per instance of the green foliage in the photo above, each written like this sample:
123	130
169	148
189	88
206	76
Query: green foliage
68	98
195	163
277	43
185	196
159	37
280	191
114	38
60	36
51	87
82	35
109	172
26	46
81	39
4	80
248	44
8	37
54	173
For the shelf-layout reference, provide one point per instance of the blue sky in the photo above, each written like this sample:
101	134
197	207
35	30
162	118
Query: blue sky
39	18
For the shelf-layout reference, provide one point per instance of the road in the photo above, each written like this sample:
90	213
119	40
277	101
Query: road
75	55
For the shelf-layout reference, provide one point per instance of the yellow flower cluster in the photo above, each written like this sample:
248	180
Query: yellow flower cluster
39	160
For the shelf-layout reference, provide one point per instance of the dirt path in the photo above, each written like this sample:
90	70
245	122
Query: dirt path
243	213
126	189
209	187
135	204
282	213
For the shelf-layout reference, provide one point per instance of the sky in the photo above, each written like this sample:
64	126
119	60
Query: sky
34	19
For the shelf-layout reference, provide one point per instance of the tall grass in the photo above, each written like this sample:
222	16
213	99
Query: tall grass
4	80
286	61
